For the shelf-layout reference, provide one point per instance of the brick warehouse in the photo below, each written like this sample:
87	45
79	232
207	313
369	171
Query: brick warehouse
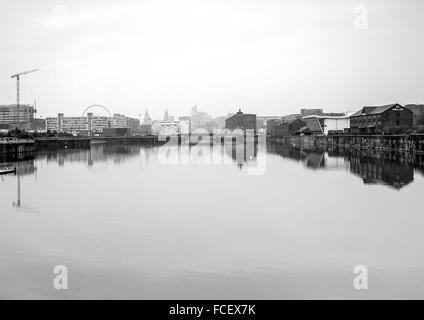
241	121
388	119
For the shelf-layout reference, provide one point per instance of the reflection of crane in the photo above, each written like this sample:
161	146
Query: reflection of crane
18	76
18	203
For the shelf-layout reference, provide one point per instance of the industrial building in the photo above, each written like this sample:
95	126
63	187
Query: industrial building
388	119
330	124
241	121
285	129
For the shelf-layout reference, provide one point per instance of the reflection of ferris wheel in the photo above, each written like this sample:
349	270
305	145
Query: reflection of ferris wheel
96	106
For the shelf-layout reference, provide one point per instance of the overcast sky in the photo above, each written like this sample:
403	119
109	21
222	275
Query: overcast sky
267	57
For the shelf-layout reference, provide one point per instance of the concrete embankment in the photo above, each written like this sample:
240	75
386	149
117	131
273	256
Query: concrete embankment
398	143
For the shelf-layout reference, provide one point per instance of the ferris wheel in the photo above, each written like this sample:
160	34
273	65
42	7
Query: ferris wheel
96	106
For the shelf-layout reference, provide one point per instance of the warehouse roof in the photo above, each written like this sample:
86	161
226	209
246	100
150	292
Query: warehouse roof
368	110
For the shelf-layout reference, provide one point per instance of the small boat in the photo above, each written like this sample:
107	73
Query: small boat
7	170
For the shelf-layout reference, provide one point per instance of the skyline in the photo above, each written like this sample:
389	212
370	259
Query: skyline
267	58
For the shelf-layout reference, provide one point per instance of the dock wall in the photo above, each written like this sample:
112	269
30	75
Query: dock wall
16	146
61	143
398	143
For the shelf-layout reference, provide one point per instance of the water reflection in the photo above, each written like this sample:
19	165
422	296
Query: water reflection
311	158
25	165
97	153
129	230
383	168
242	153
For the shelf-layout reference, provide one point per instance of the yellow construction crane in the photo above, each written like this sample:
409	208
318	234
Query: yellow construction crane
18	76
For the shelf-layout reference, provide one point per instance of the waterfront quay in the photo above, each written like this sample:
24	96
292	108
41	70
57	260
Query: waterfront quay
51	143
11	146
399	143
16	146
413	143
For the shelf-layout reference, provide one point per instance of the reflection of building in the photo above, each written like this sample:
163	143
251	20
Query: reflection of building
244	153
384	168
380	171
391	118
312	159
241	121
99	153
22	117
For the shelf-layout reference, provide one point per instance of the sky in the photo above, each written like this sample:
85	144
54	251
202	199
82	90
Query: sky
267	57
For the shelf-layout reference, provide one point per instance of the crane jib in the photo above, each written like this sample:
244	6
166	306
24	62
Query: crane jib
22	73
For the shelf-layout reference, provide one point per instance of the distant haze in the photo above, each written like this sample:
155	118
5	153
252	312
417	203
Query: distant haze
266	57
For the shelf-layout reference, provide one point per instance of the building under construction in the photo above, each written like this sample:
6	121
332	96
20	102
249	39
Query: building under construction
19	115
14	116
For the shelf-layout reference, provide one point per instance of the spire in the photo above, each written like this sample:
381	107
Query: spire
166	117
147	119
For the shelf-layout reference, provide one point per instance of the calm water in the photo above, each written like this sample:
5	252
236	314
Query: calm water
212	222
